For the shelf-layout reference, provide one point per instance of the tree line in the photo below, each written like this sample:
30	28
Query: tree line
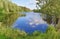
51	8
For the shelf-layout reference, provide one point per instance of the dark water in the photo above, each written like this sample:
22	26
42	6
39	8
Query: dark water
30	23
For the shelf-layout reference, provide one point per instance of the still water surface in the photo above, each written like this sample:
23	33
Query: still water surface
30	23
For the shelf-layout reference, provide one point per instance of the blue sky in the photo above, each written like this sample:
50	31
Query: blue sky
27	3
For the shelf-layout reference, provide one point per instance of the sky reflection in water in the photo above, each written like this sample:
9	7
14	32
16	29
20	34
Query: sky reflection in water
30	23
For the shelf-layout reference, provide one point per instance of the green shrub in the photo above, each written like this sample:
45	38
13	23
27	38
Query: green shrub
11	33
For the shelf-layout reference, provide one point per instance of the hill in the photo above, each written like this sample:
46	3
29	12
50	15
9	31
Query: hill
9	11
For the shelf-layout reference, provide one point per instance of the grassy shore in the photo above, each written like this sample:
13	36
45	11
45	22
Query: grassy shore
9	33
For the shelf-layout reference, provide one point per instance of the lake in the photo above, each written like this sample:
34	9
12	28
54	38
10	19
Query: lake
31	22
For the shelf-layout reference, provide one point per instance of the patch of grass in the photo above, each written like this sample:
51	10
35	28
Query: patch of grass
9	33
6	32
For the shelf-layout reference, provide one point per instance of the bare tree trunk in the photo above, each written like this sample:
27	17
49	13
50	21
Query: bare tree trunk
58	25
53	21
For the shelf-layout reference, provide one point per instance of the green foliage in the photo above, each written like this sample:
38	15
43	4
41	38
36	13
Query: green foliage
9	12
8	6
9	33
1	14
51	8
36	10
